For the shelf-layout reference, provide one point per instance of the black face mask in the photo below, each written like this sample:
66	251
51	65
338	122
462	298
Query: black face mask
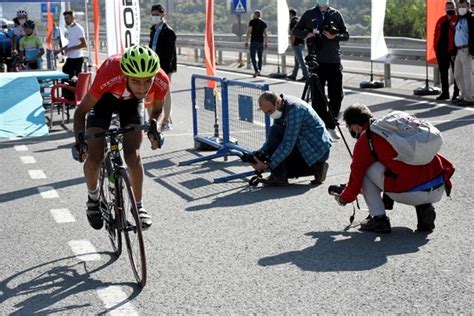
450	12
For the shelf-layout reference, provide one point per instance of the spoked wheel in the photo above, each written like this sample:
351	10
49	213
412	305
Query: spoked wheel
133	229
110	213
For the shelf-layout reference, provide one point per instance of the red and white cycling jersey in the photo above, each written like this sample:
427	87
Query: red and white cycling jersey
110	79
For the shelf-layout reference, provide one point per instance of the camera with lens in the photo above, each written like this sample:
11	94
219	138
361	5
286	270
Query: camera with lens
336	189
259	154
311	61
331	28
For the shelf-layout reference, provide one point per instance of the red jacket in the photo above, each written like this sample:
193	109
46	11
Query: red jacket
451	31
407	176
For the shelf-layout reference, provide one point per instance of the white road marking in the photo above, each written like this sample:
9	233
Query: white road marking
37	174
48	192
28	159
62	215
21	148
84	250
14	138
115	301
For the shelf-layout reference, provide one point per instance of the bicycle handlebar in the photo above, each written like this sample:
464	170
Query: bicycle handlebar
117	131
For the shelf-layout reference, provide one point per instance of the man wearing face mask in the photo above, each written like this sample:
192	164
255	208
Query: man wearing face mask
464	42
163	42
298	143
375	171
445	49
323	28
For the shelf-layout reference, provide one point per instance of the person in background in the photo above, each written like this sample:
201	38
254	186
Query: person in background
31	48
18	29
258	37
445	49
163	42
298	48
323	27
73	50
464	42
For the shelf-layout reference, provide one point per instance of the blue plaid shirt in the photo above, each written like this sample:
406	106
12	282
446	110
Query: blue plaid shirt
303	128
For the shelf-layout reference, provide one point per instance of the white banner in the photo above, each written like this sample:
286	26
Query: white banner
283	24
62	24
122	20
378	48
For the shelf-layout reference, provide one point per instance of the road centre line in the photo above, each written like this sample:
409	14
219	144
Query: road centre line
48	192
62	215
28	159
115	301
37	174
84	250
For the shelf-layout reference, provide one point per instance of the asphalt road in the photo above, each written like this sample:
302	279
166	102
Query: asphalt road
227	248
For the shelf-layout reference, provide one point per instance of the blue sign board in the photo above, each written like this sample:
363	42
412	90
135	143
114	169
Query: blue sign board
240	6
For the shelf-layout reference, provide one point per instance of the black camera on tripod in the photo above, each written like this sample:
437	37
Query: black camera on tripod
259	154
311	62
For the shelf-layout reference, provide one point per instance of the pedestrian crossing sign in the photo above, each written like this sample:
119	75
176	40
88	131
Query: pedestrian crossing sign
240	6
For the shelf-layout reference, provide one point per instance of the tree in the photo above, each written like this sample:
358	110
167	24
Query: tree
405	18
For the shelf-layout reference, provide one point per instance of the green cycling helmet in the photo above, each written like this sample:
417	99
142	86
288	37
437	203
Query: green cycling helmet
140	62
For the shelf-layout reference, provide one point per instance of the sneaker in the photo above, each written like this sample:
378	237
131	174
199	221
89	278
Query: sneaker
334	133
274	181
94	214
443	96
166	127
145	218
426	217
291	77
320	171
378	224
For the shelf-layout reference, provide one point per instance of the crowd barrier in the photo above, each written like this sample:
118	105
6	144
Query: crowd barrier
226	117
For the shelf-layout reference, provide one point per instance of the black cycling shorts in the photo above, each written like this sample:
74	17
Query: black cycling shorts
130	112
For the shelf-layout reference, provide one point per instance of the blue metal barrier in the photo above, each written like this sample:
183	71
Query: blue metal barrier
240	127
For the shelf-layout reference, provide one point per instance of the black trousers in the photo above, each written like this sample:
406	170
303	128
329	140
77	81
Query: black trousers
444	62
330	74
72	67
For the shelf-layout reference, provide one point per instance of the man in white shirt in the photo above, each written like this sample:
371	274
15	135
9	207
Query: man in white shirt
73	50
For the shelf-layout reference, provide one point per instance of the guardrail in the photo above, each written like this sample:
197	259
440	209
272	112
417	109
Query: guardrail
402	51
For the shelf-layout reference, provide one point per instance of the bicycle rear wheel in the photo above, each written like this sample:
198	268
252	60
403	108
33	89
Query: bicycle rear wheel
133	228
111	214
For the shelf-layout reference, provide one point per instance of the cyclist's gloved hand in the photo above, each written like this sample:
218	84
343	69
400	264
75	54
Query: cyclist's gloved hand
156	138
79	149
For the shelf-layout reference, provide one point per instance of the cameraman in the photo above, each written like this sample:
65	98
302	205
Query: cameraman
375	171
323	27
297	144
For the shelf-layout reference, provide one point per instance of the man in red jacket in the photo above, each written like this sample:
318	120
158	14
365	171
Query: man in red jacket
445	49
375	172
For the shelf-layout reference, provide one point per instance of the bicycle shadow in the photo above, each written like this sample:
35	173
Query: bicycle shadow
47	287
350	251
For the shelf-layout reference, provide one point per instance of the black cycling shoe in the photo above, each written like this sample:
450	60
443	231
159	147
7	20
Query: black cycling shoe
377	224
94	214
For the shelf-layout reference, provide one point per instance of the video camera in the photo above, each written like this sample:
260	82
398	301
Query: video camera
336	189
311	61
259	154
331	28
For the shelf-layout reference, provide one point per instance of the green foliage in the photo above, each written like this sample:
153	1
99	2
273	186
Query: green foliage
405	18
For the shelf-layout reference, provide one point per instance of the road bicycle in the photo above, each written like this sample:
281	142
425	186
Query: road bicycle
118	204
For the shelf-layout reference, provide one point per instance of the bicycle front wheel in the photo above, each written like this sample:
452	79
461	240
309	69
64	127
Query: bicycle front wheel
133	228
110	211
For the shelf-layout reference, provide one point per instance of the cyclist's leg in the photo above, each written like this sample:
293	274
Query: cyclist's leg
131	113
98	120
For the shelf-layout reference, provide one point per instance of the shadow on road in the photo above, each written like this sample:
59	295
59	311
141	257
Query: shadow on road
350	251
52	282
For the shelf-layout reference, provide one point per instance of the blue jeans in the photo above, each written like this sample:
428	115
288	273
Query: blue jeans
294	165
256	50
299	61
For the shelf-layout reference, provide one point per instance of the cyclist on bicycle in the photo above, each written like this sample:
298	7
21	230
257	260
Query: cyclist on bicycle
120	86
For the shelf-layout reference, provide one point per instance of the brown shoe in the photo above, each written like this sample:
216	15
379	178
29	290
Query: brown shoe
320	171
274	181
